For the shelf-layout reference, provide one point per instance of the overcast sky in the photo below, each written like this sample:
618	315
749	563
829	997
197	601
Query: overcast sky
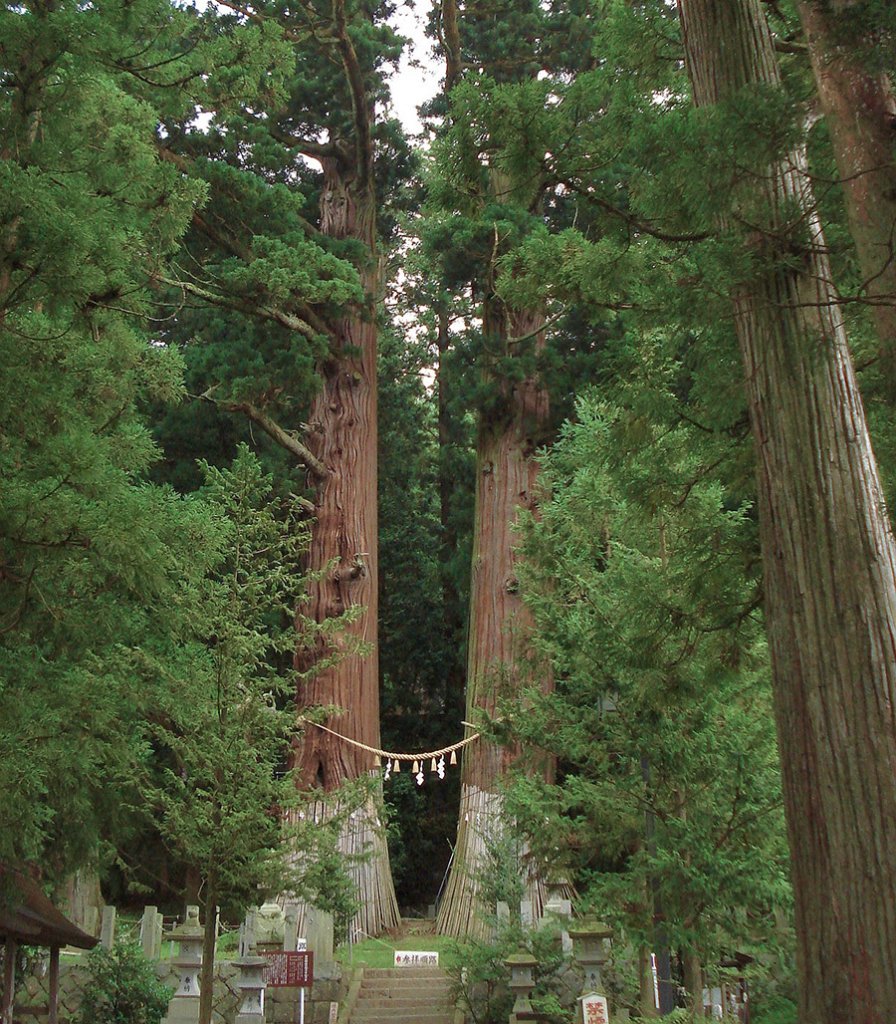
412	86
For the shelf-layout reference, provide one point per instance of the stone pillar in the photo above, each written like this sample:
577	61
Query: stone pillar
107	928
151	932
247	933
527	918
270	928
184	1005
291	930
558	911
251	985
319	933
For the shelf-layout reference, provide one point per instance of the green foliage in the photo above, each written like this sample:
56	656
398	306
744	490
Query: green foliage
777	1011
227	715
122	988
640	578
425	504
479	975
94	564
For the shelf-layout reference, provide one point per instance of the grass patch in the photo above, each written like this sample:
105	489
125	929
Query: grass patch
381	952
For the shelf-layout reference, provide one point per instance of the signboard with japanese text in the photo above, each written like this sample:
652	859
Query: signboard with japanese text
289	970
595	1009
416	958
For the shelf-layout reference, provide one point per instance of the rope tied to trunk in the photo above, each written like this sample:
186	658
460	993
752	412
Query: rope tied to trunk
394	755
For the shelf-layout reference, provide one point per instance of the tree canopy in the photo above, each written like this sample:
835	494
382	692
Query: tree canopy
569	419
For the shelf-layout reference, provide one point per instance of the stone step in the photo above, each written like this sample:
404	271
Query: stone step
403	995
404	972
373	1016
405	985
440	999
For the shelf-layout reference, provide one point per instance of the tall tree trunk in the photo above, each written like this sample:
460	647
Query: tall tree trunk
830	570
860	111
692	970
209	938
343	553
452	613
498	661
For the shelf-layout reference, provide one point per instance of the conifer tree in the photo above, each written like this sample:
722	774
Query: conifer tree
313	277
496	183
641	577
95	565
226	715
851	46
496	186
828	552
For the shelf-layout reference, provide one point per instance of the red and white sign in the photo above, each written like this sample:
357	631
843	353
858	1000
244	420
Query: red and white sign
595	1009
289	970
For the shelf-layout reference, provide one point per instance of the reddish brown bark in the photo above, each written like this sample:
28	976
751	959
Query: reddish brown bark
343	547
830	570
498	659
343	558
860	112
343	551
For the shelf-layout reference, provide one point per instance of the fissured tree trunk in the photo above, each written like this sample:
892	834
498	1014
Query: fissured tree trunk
860	112
343	554
829	562
499	660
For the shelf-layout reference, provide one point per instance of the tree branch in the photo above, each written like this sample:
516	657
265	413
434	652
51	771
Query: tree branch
285	438
288	320
307	147
360	108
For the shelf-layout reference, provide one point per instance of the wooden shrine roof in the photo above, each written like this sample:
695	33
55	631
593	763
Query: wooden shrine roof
31	919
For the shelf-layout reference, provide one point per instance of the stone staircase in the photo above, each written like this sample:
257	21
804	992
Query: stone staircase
403	995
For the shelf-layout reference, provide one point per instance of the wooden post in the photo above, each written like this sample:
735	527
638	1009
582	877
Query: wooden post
9	980
54	986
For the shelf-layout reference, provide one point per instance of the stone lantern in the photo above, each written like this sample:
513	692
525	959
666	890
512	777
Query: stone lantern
521	966
184	1005
588	936
252	986
270	927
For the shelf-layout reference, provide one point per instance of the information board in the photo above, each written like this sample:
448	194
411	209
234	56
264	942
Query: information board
416	958
289	970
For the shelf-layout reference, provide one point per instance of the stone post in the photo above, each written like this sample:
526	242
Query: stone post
184	1005
247	933
319	931
521	983
527	916
558	911
107	928
270	928
252	985
291	930
150	937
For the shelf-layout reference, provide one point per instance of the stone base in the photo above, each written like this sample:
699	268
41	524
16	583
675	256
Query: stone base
182	1010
